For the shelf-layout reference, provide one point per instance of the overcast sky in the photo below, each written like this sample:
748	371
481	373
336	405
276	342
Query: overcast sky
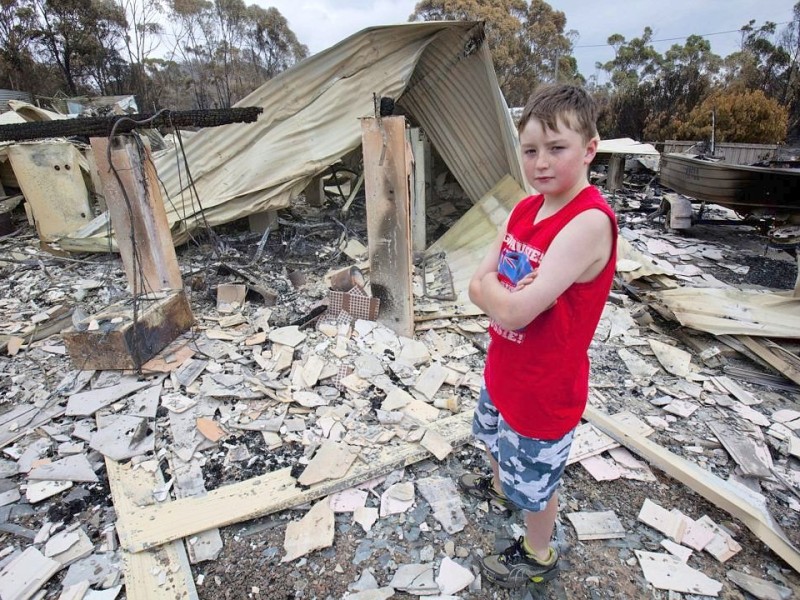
321	23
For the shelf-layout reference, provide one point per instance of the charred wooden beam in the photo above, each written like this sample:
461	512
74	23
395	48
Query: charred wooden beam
118	124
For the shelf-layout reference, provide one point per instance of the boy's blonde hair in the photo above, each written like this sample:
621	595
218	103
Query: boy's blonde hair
571	104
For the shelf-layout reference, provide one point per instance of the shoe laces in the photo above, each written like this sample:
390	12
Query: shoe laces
514	551
485	483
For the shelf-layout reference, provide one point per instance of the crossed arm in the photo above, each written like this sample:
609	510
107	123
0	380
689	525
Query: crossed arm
578	253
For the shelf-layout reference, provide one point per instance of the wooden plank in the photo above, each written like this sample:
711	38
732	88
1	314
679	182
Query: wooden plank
150	526
705	483
138	216
778	358
131	489
386	182
189	482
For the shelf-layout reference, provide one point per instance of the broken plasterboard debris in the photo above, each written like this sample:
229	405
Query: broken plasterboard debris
119	437
290	336
431	380
145	402
230	297
87	403
66	547
23	576
638	367
41	490
452	577
348	500
71	468
677	550
601	468
601	525
759	588
415	579
631	467
722	546
588	441
313	532
98	569
76	591
674	360
752	455
421	410
331	461
750	414
444	499
9	492
735	390
366	516
670	523
177	403
397	498
436	444
667	572
696	535
396	399
210	429
681	408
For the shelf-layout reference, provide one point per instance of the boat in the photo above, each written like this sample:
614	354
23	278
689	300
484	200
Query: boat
761	191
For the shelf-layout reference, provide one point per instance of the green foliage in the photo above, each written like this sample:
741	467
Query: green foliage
81	38
17	22
653	96
227	48
527	41
222	49
215	52
747	116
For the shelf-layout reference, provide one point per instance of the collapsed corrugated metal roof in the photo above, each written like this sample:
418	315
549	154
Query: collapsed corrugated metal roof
440	73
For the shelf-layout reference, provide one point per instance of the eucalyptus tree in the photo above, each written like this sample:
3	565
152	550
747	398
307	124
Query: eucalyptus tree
527	41
17	23
82	38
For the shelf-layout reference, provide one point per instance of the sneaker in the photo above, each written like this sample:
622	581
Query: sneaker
482	487
515	568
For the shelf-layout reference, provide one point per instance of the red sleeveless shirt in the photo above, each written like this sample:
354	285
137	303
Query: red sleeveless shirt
538	376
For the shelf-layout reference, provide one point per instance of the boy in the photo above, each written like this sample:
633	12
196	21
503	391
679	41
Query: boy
543	283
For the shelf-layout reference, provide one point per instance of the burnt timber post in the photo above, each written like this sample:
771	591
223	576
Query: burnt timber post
136	209
420	199
616	172
387	176
127	334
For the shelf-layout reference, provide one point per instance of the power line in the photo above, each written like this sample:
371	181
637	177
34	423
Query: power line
673	39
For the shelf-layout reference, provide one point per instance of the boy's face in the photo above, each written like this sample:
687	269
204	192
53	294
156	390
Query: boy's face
555	162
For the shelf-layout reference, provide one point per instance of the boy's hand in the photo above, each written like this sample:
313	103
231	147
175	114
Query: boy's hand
527	280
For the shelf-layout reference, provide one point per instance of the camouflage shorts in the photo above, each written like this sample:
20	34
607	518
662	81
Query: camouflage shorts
530	469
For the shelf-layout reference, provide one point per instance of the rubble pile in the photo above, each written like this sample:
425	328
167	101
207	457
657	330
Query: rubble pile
291	445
